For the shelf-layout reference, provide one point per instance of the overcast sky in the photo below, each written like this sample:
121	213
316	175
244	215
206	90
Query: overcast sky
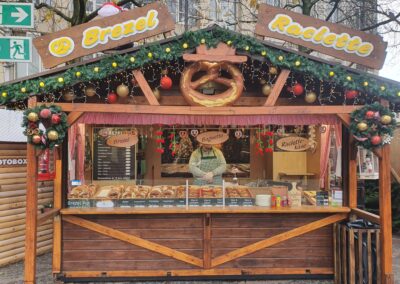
391	69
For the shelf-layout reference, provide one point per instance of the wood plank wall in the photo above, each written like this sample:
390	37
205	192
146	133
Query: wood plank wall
85	250
12	207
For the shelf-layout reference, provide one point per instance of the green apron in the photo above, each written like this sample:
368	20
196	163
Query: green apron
208	164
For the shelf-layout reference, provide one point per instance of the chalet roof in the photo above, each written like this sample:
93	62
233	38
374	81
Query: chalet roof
10	126
133	58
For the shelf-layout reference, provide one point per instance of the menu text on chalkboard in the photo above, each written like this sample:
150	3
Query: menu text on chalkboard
114	153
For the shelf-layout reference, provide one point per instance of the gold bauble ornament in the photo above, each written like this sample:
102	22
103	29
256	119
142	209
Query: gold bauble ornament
68	96
273	70
52	135
266	90
157	94
122	91
310	97
90	92
33	116
185	45
386	119
362	126
41	84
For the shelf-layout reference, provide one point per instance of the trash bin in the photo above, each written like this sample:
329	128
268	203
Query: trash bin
357	253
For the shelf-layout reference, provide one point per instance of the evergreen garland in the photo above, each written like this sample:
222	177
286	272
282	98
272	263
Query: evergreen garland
370	122
174	49
32	127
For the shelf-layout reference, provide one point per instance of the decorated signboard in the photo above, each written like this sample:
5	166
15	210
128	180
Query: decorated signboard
106	33
332	39
293	144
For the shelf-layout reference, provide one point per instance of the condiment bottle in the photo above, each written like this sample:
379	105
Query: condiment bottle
284	201
278	201
273	201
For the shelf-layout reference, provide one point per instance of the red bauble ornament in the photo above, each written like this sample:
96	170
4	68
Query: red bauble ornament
298	89
112	98
369	114
166	83
376	140
55	119
351	94
45	113
36	139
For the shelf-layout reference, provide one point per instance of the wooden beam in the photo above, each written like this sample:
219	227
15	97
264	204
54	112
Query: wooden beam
152	246
366	215
47	215
352	173
57	228
345	118
198	110
31	210
223	58
207	254
395	175
200	272
277	239
276	90
385	213
57	242
144	86
73	117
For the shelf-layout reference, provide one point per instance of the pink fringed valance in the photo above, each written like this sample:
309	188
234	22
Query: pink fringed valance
149	119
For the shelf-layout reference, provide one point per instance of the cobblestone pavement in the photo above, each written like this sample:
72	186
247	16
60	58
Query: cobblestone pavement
13	274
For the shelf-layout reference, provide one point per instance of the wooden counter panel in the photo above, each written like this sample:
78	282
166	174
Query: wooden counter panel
313	249
85	250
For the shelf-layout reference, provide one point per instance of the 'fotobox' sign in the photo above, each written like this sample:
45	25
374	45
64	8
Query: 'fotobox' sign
332	39
106	33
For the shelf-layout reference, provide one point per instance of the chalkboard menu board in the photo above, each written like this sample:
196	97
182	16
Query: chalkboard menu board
113	156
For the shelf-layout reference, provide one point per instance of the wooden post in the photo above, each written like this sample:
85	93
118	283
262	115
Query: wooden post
57	219
385	212
352	174
31	211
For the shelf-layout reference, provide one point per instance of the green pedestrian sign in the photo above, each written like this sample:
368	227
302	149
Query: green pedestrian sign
15	49
16	15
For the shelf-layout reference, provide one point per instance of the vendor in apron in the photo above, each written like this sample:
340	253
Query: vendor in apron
207	164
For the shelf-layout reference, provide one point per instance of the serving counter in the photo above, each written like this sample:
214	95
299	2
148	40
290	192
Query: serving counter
180	242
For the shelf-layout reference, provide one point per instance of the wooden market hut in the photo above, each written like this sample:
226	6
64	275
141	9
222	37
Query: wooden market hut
13	163
209	242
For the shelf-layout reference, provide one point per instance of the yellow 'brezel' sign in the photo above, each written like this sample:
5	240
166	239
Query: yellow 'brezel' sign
284	24
105	33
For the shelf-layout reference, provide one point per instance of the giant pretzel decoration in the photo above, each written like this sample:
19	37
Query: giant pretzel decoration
228	97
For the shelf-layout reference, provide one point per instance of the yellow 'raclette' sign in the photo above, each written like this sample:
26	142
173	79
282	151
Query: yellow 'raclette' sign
332	39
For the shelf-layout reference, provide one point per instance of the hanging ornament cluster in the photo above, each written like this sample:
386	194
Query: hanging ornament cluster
372	126
173	145
264	142
158	135
312	138
52	119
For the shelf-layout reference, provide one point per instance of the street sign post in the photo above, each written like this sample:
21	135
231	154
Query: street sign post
15	49
16	15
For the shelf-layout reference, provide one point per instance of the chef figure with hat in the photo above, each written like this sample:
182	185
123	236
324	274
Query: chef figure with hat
207	164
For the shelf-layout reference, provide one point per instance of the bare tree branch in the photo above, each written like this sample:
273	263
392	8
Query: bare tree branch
55	10
292	6
392	18
334	9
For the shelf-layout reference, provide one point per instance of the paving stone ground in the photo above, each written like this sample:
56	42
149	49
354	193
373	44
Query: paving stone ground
13	274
